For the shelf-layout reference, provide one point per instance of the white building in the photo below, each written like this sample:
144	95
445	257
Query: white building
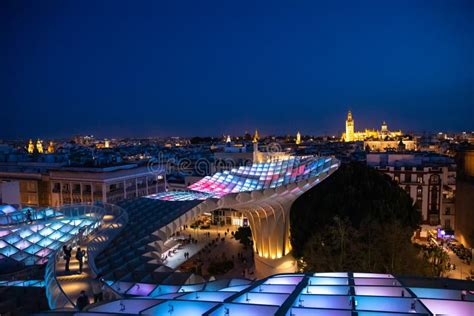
429	179
110	185
41	185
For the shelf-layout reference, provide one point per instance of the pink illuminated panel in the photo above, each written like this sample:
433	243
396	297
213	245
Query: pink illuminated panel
259	176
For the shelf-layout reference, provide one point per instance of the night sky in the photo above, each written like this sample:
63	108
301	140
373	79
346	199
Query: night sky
166	68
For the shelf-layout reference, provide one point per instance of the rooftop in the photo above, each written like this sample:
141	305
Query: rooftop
331	293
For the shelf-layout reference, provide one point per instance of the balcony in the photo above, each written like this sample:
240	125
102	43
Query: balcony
451	200
115	195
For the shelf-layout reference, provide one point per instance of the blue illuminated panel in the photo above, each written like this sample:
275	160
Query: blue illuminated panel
258	176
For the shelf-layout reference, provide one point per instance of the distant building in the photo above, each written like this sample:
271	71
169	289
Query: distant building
40	185
375	140
429	179
30	147
110	185
39	146
349	136
465	197
84	140
400	144
256	137
51	148
298	138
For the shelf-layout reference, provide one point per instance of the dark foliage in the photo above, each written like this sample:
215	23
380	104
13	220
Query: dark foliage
244	235
357	193
220	267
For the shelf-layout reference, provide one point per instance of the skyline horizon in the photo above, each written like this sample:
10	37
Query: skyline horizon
262	133
169	68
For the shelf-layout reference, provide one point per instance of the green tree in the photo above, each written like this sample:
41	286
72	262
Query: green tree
356	192
244	236
332	249
439	260
372	248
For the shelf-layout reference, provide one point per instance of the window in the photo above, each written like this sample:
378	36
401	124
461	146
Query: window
66	187
447	223
419	179
434	199
56	187
76	188
419	193
31	198
448	211
31	186
434	179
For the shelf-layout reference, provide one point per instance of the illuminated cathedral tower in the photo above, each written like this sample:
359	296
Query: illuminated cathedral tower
50	148
298	138
349	128
31	147
256	138
39	146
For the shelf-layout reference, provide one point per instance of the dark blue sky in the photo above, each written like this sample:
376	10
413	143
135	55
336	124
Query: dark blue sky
150	68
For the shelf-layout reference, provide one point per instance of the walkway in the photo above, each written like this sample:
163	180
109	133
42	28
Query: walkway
72	282
462	271
230	247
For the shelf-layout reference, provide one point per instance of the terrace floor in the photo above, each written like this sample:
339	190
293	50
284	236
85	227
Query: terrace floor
72	282
230	247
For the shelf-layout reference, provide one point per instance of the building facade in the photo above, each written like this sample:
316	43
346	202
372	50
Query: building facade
110	185
401	144
465	197
384	134
430	180
42	186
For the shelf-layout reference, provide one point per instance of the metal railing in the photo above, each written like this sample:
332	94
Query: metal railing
98	237
102	238
55	294
106	233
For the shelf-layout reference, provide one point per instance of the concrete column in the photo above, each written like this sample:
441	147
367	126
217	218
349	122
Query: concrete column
70	191
80	187
104	192
60	193
136	187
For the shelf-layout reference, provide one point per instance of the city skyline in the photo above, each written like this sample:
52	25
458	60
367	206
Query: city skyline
240	135
220	68
227	157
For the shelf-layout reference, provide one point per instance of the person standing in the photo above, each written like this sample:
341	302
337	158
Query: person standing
29	219
82	300
80	257
96	286
67	256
